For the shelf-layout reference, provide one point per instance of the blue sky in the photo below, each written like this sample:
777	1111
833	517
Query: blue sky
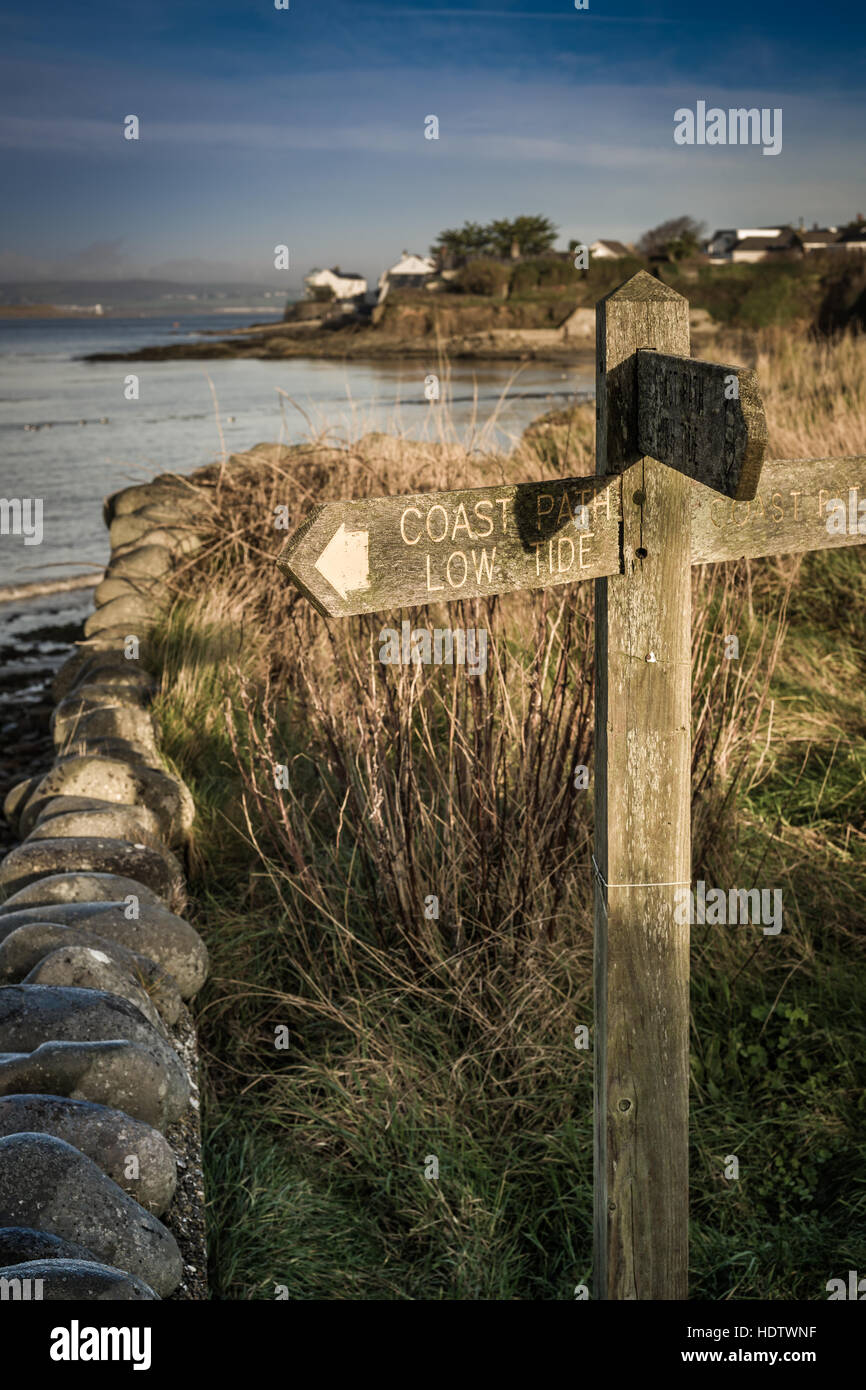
306	126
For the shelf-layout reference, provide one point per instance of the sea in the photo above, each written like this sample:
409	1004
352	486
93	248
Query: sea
69	436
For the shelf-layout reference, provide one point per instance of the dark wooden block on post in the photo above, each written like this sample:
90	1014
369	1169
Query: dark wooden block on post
704	419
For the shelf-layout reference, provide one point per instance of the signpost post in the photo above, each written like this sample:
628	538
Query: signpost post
680	480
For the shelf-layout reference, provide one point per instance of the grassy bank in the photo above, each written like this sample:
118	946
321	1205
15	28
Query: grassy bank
350	1038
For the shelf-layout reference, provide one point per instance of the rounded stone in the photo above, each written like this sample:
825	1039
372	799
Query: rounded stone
77	1281
133	611
115	586
63	805
106	721
120	749
35	859
17	798
47	1184
87	967
143	563
172	491
156	933
80	888
23	950
116	1074
94	694
178	541
135	824
19	1244
31	1014
116	641
115	779
108	1137
131	528
87	664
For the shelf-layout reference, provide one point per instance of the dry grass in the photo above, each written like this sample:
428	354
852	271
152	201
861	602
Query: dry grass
414	1035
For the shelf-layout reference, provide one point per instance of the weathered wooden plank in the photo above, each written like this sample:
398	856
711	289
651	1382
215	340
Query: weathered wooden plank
534	535
704	419
388	552
642	830
789	512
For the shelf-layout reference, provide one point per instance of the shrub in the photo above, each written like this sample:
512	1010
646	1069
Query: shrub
483	277
543	272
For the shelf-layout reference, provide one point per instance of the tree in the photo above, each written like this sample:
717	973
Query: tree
505	239
524	236
460	244
676	238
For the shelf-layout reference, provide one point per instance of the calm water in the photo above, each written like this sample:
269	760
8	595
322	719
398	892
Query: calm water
85	440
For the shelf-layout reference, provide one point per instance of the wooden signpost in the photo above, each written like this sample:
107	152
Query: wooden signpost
391	552
680	480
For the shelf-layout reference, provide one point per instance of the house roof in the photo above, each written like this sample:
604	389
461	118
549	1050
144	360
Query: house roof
819	236
410	264
616	246
753	231
763	243
337	274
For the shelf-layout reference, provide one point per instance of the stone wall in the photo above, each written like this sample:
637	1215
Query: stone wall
101	1193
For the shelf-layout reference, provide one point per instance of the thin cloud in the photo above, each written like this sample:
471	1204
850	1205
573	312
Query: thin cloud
467	16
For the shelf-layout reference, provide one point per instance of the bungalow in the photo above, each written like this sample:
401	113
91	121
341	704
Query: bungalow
342	284
852	240
818	238
609	250
410	272
734	245
722	242
832	239
765	248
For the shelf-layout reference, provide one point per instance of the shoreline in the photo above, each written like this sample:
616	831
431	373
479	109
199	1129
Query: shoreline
280	342
277	344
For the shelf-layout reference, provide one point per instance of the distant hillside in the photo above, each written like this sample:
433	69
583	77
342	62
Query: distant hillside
34	311
143	295
825	291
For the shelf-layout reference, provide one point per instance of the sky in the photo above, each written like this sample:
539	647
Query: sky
305	126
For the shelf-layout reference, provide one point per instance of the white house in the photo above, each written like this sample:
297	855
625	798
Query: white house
343	284
722	244
410	272
609	250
